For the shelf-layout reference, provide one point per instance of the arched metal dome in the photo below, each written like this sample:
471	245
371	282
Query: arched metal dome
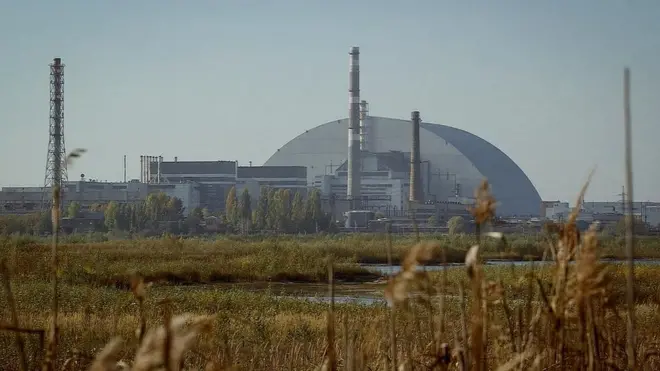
450	156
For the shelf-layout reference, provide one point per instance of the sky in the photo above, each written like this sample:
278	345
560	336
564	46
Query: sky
236	80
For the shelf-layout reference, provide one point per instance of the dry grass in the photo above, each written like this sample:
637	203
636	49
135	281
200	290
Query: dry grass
561	316
564	316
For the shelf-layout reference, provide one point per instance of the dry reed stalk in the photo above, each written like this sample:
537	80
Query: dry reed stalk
475	275
139	290
330	358
51	355
184	330
392	317
630	231
18	339
464	326
167	343
483	212
51	352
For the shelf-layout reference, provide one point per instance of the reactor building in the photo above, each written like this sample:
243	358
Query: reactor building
390	162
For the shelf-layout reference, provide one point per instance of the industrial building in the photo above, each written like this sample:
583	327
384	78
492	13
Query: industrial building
196	183
605	212
214	179
390	162
453	163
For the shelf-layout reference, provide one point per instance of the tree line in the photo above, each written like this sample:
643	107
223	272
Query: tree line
276	210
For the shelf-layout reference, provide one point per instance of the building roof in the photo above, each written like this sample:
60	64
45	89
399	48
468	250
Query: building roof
194	167
272	172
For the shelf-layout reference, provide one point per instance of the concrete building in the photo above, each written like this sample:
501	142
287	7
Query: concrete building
453	163
653	216
21	200
214	179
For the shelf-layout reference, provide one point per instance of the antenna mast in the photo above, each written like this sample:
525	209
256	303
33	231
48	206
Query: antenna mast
56	172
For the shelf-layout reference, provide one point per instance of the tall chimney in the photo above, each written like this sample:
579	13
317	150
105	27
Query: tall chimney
354	155
124	168
141	169
415	171
160	160
364	129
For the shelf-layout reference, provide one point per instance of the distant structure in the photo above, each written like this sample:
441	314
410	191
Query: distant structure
56	172
415	191
354	149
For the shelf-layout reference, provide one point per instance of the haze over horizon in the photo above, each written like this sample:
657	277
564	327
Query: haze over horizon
210	80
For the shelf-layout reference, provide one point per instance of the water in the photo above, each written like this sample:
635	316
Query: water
369	293
394	269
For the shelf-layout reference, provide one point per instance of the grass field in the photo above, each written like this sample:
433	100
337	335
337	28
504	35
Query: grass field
518	317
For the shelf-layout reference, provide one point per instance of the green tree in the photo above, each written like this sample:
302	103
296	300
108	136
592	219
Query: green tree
157	206
174	209
284	210
231	207
198	213
73	210
313	210
432	221
273	209
298	212
456	225
110	215
261	213
245	209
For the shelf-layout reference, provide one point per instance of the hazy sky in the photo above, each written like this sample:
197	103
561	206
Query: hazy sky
236	80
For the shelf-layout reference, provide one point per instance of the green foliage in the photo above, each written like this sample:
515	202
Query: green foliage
260	219
245	209
73	211
231	208
298	215
313	210
432	221
456	225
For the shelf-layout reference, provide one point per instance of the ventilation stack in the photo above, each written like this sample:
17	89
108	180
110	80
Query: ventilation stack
364	128
415	161
354	155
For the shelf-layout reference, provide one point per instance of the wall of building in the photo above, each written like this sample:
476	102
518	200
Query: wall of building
653	216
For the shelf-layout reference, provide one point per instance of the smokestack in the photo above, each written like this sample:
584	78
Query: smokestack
415	171
160	159
354	155
364	130
124	168
141	169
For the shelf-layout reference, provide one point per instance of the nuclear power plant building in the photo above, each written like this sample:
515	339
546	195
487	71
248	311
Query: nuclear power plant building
452	164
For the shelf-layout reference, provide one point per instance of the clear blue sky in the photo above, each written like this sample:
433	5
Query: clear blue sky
235	80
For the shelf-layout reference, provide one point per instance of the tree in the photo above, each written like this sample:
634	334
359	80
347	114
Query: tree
231	207
313	210
456	225
284	210
110	215
297	212
432	221
174	209
272	211
261	213
245	209
73	210
639	227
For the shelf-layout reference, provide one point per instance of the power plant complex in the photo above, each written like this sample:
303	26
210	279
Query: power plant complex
390	166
